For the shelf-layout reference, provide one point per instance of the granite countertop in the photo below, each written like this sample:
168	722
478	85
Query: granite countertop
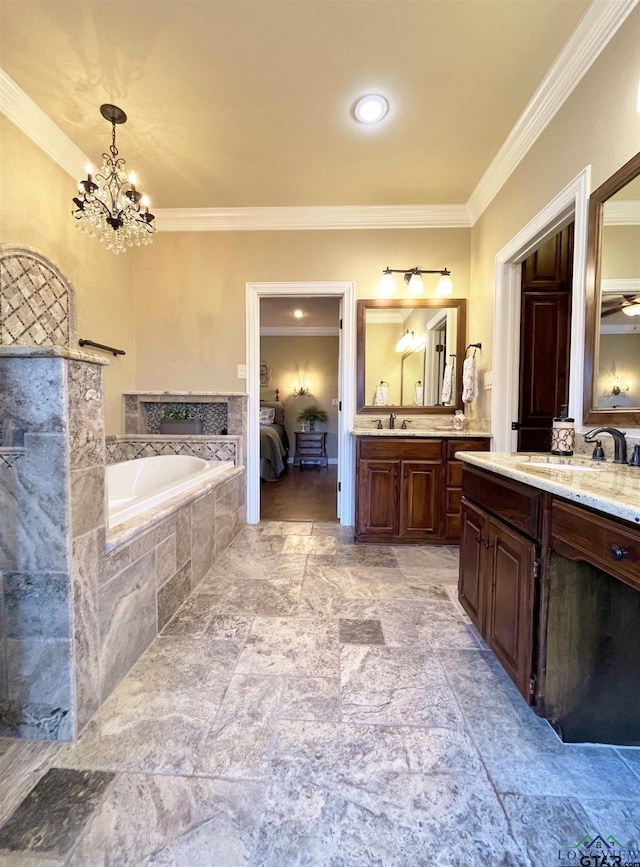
611	488
416	432
17	351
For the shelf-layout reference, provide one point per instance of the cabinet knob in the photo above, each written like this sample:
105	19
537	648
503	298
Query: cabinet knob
618	552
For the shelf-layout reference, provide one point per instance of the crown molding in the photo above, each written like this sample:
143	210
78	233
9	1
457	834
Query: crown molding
21	110
624	213
620	286
312	217
594	30
302	331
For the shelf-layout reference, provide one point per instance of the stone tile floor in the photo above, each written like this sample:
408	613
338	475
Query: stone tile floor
315	703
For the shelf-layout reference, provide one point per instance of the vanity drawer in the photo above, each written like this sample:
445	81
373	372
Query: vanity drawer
516	504
460	444
398	449
598	539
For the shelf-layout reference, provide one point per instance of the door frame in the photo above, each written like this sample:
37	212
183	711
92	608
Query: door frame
571	203
345	291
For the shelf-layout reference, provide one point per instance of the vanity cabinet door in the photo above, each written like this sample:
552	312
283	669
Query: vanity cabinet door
422	511
472	583
511	602
377	509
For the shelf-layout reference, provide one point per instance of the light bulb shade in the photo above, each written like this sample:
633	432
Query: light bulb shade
386	286
445	286
416	286
632	309
405	343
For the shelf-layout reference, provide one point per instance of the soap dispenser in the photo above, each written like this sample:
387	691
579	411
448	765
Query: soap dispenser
563	433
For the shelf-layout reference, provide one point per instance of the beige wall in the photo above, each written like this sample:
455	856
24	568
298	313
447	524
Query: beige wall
35	212
190	289
316	360
597	126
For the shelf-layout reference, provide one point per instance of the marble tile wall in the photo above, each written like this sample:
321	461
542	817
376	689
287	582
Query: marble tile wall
36	698
74	619
216	448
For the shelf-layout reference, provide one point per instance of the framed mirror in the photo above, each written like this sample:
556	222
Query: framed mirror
612	347
410	354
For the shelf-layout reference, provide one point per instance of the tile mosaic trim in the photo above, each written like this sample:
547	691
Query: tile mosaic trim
128	449
9	458
213	416
37	302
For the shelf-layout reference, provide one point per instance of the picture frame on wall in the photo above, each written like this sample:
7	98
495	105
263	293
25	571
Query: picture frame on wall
265	374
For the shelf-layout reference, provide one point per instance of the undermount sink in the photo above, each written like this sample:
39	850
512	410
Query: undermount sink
558	464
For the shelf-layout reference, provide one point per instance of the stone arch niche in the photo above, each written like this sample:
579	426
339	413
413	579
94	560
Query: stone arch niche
37	302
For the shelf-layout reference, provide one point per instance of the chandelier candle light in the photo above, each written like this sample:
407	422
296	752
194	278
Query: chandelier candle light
110	207
413	279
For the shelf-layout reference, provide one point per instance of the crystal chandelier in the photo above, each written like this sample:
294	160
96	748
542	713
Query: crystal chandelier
109	207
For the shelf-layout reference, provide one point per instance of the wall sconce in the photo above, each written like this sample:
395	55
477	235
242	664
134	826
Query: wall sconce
301	388
405	344
413	279
620	387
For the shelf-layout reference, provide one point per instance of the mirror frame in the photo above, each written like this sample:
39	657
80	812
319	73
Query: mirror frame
592	414
460	305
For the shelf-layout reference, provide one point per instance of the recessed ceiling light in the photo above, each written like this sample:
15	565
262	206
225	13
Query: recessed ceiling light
370	108
298	314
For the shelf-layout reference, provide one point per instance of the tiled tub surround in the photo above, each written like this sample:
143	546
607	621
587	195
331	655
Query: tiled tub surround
210	448
79	606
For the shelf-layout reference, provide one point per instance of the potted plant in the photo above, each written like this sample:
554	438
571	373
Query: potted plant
183	421
312	413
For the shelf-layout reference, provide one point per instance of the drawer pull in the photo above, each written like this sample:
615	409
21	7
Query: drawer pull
618	552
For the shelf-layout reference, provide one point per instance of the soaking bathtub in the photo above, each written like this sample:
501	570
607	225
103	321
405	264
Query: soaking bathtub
135	486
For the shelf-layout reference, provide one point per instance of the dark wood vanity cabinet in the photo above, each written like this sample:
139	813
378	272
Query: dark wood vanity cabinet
499	565
408	490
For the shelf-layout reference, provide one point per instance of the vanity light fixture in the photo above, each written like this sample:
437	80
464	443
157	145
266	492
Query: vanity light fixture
110	207
370	108
413	279
405	344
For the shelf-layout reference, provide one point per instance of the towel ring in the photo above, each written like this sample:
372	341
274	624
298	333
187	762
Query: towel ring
384	382
476	347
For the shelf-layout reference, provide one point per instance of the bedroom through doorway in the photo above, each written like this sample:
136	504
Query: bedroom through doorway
299	408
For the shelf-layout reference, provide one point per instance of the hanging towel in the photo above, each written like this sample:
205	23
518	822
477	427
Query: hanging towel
447	383
381	396
469	380
418	392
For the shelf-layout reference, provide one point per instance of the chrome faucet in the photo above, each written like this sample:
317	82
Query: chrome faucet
619	442
392	421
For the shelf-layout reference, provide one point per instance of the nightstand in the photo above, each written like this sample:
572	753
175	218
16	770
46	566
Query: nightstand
311	449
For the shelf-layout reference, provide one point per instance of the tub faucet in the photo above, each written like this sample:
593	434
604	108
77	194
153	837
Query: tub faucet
392	421
619	442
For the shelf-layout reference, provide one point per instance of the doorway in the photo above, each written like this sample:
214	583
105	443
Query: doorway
299	365
344	292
